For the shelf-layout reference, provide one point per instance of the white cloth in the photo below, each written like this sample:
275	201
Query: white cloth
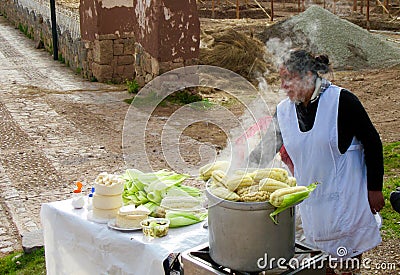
74	245
336	217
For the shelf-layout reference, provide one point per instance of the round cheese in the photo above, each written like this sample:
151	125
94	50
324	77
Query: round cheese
104	214
107	202
109	190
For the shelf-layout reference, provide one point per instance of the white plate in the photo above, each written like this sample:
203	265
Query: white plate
111	224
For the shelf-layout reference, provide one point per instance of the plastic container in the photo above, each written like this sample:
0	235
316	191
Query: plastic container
155	227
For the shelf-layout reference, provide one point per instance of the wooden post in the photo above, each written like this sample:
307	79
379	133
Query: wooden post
362	6
368	23
324	4
272	10
237	9
334	6
354	5
212	9
298	6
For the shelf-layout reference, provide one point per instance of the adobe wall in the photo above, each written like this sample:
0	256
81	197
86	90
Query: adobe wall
117	39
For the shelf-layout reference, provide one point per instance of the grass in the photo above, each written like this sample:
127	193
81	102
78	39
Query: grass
391	219
132	86
20	263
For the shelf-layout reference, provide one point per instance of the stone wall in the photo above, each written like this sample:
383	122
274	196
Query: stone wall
33	19
117	40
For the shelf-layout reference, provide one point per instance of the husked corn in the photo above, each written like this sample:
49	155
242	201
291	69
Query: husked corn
206	171
292	181
278	174
247	189
218	176
255	196
270	185
277	196
224	193
236	181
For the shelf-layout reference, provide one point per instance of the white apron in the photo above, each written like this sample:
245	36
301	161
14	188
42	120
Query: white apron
336	217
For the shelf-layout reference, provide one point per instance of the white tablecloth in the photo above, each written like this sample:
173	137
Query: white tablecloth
75	245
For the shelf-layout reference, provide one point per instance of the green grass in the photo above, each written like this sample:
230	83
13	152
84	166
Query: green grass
391	219
391	154
132	86
20	263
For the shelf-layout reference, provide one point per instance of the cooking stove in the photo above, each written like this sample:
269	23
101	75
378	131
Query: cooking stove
197	261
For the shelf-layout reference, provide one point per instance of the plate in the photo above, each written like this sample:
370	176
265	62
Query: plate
111	224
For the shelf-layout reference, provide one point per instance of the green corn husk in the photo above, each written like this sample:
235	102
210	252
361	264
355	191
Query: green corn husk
192	191
182	218
293	199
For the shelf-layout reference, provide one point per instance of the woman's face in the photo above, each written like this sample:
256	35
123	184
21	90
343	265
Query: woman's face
298	89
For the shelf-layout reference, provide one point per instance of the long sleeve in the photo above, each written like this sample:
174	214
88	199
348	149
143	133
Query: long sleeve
268	147
353	120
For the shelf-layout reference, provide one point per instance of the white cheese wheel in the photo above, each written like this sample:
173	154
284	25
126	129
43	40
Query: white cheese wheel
108	190
107	202
104	214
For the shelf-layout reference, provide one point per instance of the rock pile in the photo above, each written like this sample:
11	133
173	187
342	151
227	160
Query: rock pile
347	45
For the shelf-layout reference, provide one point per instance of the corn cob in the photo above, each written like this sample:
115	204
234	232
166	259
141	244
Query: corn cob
292	181
188	202
270	185
255	196
236	181
224	193
206	171
277	196
273	173
247	189
217	176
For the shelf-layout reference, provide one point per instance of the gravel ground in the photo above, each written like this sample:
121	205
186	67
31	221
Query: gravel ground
348	45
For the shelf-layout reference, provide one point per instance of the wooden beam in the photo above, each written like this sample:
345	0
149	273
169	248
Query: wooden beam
368	23
272	9
261	7
383	7
237	9
212	9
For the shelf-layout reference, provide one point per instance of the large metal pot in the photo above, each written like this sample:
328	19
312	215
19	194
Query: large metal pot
243	237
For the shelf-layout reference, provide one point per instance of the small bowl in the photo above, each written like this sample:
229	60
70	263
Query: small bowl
155	227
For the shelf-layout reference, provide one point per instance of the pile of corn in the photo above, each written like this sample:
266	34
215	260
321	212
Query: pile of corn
268	184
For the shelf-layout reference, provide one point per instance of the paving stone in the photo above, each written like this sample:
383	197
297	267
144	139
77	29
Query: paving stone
32	240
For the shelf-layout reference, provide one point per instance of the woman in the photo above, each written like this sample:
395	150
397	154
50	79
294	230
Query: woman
329	138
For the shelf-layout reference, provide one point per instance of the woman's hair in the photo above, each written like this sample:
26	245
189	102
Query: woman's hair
302	61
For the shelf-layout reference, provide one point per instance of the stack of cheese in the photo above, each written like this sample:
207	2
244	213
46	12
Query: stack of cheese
107	198
130	217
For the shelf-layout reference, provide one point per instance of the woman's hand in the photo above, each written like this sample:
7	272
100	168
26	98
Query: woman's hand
376	201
